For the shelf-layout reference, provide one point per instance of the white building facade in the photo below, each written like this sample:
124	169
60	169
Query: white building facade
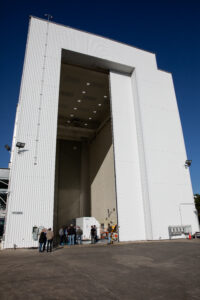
152	186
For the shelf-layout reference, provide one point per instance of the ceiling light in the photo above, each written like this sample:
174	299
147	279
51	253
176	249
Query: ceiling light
72	115
83	92
75	108
85	124
94	111
99	104
79	100
90	118
88	83
105	96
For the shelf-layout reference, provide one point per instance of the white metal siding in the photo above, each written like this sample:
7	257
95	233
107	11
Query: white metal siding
168	180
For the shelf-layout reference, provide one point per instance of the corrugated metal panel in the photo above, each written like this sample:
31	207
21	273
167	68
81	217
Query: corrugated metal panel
4	173
32	191
168	179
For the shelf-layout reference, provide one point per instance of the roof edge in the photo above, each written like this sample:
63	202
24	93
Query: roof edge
98	35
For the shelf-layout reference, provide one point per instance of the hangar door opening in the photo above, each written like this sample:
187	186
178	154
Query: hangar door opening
84	177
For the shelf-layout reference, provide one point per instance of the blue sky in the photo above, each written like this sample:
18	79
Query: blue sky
169	28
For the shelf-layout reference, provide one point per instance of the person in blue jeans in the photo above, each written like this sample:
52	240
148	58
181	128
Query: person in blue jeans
109	233
71	234
61	234
66	236
79	233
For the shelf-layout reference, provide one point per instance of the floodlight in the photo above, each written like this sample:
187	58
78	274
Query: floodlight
20	145
188	163
7	147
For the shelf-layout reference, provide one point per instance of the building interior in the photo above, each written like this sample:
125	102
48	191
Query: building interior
85	176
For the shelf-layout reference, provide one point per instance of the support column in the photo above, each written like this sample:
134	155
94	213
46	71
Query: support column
131	219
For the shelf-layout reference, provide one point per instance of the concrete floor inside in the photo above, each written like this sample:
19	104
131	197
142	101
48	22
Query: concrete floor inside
84	178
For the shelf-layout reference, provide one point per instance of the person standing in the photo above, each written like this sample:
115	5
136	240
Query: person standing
109	233
75	241
79	233
71	234
93	234
42	241
61	235
49	236
65	235
96	238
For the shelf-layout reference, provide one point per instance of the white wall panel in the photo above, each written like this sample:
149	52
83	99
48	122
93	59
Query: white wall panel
128	184
164	153
100	47
32	191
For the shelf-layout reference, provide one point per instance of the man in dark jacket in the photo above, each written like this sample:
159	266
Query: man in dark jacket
71	234
96	238
61	234
109	233
42	241
93	234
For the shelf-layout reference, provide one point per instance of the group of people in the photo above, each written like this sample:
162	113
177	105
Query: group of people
70	235
46	238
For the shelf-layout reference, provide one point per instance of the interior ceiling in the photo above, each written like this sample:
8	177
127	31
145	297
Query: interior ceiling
84	104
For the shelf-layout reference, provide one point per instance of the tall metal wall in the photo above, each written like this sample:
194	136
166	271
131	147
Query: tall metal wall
151	180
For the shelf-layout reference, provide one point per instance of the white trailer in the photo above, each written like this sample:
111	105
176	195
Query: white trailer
85	224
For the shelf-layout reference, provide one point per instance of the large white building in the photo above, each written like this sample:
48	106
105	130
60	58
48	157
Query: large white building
102	136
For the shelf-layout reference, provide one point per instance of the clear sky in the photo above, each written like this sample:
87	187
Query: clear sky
169	28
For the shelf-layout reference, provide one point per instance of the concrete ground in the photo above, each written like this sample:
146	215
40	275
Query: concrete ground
150	270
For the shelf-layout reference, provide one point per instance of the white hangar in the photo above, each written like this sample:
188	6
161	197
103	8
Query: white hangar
102	136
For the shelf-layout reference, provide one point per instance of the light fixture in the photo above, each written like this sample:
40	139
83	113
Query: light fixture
83	92
99	104
68	121
72	115
79	100
188	163
90	118
94	111
88	83
105	96
7	147
85	124
75	108
20	145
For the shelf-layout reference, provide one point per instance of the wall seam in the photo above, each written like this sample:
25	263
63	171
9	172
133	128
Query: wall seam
142	159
